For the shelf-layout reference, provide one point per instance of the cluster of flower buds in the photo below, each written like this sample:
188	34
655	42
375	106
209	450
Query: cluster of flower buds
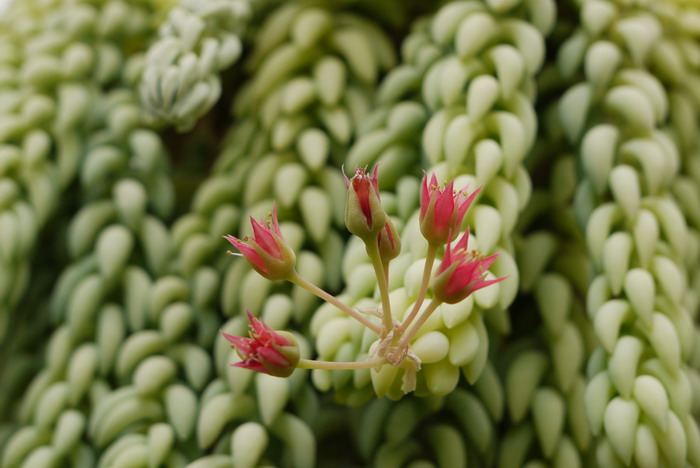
460	273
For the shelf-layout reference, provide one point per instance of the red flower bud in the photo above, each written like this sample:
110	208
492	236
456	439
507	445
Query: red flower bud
364	215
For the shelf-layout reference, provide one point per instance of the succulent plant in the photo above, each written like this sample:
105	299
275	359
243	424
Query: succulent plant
519	286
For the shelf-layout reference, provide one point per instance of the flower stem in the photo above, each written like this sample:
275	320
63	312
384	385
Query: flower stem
406	339
427	270
330	365
378	264
315	290
385	267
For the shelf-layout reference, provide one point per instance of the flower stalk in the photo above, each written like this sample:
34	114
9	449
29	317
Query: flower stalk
320	293
383	285
425	281
333	365
406	339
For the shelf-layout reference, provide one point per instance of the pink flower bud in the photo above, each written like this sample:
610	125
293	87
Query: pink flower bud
364	215
442	211
461	273
267	252
267	351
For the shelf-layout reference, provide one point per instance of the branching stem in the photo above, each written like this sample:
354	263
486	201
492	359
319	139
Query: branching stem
373	252
427	270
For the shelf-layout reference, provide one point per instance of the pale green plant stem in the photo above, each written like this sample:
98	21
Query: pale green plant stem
315	290
427	270
331	365
378	264
385	267
406	339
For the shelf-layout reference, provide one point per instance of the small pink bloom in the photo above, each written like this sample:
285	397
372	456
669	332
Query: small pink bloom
266	351
267	251
442	211
461	273
364	215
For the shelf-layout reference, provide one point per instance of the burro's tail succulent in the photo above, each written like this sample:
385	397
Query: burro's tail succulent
519	287
622	117
197	41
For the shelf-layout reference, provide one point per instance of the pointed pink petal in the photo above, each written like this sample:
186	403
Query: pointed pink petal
233	240
468	270
375	179
240	343
463	242
231	338
486	262
483	284
250	254
361	187
473	195
273	356
456	253
275	223
264	238
465	204
240	245
444	207
433	180
424	196
259	327
252	365
253	257
251	317
446	259
463	276
279	339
